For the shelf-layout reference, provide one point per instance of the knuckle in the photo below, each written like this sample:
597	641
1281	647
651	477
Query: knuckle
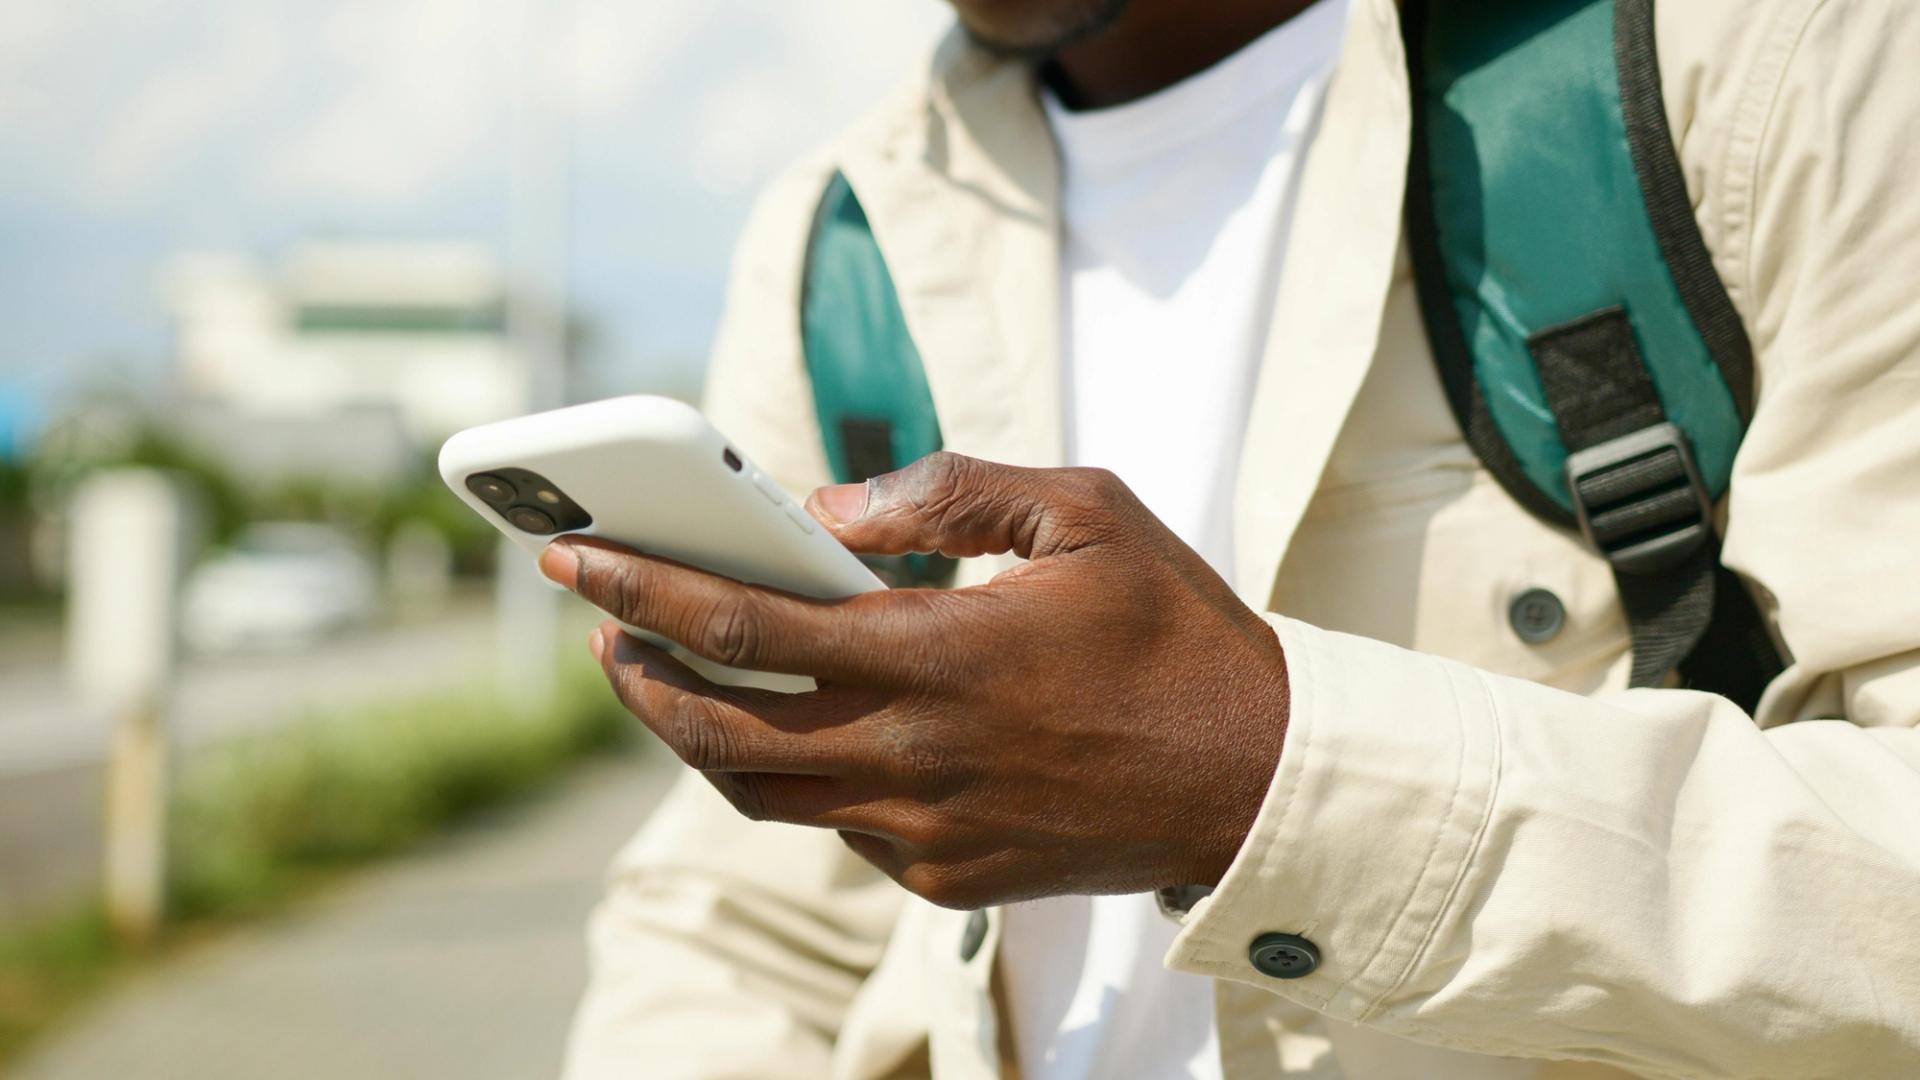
1090	502
752	796
699	738
874	849
631	686
730	633
942	467
916	759
613	584
1101	486
925	767
940	886
920	831
938	480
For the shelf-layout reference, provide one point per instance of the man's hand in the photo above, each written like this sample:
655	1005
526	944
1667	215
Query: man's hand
1102	718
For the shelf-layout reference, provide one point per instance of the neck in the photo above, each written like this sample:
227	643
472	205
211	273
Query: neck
1156	43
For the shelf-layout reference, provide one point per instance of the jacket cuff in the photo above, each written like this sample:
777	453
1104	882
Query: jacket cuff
1381	799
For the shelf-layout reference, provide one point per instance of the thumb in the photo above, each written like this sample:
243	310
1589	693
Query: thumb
961	506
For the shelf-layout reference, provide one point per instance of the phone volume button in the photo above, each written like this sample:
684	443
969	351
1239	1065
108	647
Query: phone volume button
768	488
801	518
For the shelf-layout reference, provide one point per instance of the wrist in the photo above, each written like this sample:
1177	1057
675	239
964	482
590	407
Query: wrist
1244	769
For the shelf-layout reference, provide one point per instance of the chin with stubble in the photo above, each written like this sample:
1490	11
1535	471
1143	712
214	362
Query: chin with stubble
1035	29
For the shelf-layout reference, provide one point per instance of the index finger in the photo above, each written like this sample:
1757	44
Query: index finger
866	639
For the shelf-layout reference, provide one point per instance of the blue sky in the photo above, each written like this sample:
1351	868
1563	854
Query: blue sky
133	129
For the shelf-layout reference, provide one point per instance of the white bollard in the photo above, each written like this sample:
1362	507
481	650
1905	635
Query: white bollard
127	544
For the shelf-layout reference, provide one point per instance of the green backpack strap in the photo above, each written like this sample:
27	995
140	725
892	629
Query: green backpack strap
869	385
1588	348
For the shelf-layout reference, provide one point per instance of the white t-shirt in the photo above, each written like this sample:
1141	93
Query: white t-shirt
1174	215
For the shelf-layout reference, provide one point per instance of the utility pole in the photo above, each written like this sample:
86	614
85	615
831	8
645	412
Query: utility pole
539	224
540	202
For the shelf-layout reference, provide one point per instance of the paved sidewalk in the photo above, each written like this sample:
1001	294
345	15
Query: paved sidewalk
462	962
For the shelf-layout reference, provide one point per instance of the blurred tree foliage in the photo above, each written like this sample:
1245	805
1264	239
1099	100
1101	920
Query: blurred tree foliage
18	580
371	512
378	512
14	478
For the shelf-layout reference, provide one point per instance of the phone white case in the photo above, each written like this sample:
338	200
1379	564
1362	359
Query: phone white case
657	477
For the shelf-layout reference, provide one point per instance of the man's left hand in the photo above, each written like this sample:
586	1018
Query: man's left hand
1102	718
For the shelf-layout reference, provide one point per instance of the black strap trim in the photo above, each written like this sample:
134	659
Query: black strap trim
1664	188
1735	655
867	443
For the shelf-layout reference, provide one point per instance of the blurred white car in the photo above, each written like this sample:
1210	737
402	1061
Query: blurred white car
280	586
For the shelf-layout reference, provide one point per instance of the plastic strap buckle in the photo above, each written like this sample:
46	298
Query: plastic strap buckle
1640	500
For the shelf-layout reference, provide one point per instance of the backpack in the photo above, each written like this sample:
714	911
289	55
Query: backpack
1587	346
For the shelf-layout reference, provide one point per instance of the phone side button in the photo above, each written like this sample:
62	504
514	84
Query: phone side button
769	488
801	518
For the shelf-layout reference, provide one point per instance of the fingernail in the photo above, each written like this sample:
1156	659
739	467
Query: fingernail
843	502
596	643
560	564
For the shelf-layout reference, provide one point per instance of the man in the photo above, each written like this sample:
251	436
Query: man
1165	239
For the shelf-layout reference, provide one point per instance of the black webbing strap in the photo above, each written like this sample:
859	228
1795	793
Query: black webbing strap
1639	499
1735	654
867	447
867	443
1669	208
1736	657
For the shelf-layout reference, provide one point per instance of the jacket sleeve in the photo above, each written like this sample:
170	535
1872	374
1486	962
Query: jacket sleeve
727	948
1651	878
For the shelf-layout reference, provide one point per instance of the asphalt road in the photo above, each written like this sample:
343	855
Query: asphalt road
49	837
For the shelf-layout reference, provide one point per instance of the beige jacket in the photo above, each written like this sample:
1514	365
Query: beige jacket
1499	850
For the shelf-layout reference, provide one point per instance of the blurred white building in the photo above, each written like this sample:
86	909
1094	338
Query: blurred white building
341	360
342	328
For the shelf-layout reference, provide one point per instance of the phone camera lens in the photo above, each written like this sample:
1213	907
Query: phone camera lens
490	488
527	519
732	459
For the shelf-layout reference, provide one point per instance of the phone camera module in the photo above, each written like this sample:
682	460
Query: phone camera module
528	501
529	520
490	488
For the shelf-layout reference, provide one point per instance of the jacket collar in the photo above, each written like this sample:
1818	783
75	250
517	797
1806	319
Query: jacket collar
961	192
1333	291
961	188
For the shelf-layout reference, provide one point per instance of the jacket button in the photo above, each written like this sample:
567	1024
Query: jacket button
1284	956
973	935
1537	616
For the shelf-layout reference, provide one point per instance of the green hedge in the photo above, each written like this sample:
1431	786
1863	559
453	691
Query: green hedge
254	820
253	817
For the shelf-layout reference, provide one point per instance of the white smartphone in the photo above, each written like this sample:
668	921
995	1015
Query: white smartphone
652	474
